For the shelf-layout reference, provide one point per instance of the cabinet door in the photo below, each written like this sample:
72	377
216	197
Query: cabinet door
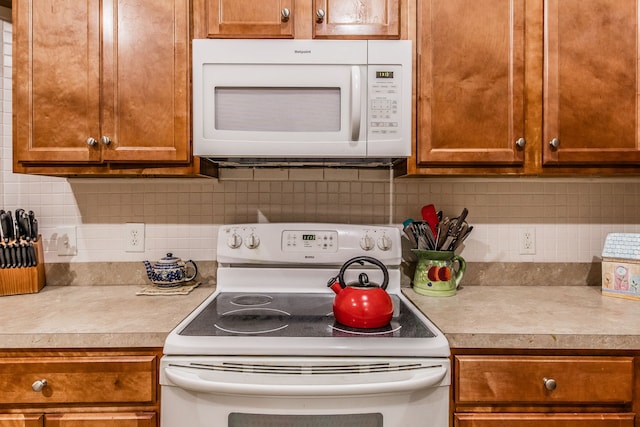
56	80
21	420
119	419
357	19
591	82
471	82
543	420
146	81
243	18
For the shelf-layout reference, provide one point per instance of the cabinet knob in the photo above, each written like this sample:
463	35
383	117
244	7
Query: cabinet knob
91	141
320	13
38	385
521	142
105	140
550	384
285	13
554	143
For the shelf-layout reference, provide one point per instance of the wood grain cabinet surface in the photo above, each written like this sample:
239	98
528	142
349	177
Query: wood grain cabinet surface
117	388
527	87
297	19
100	83
544	390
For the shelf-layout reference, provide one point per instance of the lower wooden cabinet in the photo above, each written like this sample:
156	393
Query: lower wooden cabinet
21	420
120	419
544	390
106	419
114	388
543	420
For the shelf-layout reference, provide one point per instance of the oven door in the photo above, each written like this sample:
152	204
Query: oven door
304	392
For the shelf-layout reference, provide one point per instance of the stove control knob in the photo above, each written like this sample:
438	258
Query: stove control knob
252	241
367	243
234	241
384	243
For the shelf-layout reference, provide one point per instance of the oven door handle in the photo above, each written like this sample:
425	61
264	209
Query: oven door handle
423	378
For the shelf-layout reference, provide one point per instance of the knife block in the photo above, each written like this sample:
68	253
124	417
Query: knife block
24	280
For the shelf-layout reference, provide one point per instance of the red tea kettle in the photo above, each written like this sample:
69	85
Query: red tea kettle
362	304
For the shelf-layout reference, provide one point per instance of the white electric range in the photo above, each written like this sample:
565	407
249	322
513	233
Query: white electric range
264	349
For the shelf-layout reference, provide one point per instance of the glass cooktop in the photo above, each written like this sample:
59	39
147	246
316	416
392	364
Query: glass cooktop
293	315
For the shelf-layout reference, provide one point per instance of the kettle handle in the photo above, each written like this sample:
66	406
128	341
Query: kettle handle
360	260
195	271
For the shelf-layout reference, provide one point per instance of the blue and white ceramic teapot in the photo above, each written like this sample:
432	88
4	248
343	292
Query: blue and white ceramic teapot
170	271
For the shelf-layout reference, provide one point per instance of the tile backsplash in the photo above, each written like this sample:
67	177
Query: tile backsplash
569	216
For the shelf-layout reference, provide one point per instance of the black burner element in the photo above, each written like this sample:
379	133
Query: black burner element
252	300
251	321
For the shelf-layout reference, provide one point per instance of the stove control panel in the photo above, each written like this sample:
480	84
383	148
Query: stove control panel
307	243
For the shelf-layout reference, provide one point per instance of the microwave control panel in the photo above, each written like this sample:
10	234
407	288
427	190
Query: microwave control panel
385	94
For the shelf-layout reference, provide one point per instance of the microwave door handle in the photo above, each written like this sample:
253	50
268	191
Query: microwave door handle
425	378
356	104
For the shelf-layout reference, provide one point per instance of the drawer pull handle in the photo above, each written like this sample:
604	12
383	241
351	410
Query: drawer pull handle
39	385
550	384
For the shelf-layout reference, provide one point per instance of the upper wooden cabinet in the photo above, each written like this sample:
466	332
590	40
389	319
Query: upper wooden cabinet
101	82
527	87
591	83
296	19
471	87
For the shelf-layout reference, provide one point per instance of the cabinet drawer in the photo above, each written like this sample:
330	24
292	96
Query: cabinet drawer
117	419
543	420
95	379
21	420
548	380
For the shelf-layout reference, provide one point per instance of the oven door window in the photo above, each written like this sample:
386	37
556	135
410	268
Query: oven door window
267	420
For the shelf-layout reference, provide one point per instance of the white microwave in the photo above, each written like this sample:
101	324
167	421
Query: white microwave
309	101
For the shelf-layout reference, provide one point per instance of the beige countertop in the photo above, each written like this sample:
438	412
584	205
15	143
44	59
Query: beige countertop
534	317
93	316
524	317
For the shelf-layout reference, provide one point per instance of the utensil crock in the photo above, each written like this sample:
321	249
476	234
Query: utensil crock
438	273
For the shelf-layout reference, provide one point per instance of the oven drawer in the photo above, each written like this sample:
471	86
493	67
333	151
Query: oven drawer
101	379
545	380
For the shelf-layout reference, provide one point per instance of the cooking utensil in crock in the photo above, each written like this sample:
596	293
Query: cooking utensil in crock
430	216
362	304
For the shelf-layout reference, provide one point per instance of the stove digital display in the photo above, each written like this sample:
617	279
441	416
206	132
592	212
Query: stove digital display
310	241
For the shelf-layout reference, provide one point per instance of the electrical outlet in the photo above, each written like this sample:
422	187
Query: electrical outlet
134	237
528	241
66	241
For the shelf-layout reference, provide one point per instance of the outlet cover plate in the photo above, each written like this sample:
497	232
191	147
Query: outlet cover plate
134	237
528	241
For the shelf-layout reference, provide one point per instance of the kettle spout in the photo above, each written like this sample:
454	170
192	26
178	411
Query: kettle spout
147	266
335	285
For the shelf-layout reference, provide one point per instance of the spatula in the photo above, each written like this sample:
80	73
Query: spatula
430	216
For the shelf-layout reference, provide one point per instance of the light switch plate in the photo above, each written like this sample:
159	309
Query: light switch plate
66	241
